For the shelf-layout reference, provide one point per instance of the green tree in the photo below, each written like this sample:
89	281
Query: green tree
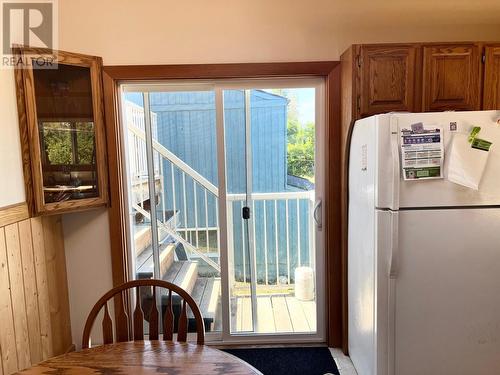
300	139
85	142
59	143
300	149
57	139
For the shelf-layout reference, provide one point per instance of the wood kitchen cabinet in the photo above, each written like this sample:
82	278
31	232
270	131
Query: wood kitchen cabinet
387	79
451	77
419	77
491	93
59	97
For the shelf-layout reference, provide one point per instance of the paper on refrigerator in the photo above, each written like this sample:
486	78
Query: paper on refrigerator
422	152
468	158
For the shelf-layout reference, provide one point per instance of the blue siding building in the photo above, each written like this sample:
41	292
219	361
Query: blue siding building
186	126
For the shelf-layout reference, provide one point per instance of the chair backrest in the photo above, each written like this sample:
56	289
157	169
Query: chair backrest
137	333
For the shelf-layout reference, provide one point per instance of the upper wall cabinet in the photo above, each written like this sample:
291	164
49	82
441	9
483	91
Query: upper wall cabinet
387	81
62	130
452	77
492	77
419	77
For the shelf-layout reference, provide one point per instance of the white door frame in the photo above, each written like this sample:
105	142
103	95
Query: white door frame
320	169
218	86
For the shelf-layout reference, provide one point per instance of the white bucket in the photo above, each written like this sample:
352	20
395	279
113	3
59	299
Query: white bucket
304	283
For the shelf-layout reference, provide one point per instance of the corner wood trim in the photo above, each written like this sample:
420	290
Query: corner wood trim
23	133
13	214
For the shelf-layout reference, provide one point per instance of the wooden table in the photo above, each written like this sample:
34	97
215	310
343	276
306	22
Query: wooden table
145	357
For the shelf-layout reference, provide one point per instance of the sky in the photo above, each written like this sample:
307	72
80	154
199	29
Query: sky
306	104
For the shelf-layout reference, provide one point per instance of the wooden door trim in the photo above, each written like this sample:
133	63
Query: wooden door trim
218	71
329	70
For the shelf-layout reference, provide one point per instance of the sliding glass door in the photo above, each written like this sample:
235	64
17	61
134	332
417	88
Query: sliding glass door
225	187
270	152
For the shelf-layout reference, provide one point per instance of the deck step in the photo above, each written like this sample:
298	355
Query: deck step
142	235
167	258
210	302
206	294
145	264
183	274
142	260
198	290
142	239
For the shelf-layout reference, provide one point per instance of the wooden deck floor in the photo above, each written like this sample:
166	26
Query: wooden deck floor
275	314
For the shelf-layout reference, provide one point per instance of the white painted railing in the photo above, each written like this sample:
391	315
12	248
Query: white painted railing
138	165
273	199
138	171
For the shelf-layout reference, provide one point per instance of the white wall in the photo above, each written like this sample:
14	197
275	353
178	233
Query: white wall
86	241
207	31
200	31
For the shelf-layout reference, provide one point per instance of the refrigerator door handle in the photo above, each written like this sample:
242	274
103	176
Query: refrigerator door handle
393	268
395	163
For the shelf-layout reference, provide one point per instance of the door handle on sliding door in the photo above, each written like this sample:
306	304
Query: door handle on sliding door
318	214
245	213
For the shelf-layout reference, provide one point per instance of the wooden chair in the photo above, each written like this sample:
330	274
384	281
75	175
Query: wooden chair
138	314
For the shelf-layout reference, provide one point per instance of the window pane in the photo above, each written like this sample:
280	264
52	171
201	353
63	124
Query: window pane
63	93
66	129
85	143
184	171
274	130
56	142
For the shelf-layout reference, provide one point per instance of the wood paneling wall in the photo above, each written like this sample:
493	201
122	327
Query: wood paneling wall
34	306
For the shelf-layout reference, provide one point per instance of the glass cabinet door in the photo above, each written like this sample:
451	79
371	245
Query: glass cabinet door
66	132
66	135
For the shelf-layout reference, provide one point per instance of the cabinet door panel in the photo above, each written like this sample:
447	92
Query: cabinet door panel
387	79
62	128
492	78
452	78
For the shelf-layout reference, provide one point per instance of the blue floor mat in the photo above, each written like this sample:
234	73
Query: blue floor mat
288	361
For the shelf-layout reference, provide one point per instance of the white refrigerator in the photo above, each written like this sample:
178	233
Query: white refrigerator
423	255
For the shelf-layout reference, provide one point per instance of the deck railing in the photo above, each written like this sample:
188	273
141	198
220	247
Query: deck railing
138	165
279	214
282	236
